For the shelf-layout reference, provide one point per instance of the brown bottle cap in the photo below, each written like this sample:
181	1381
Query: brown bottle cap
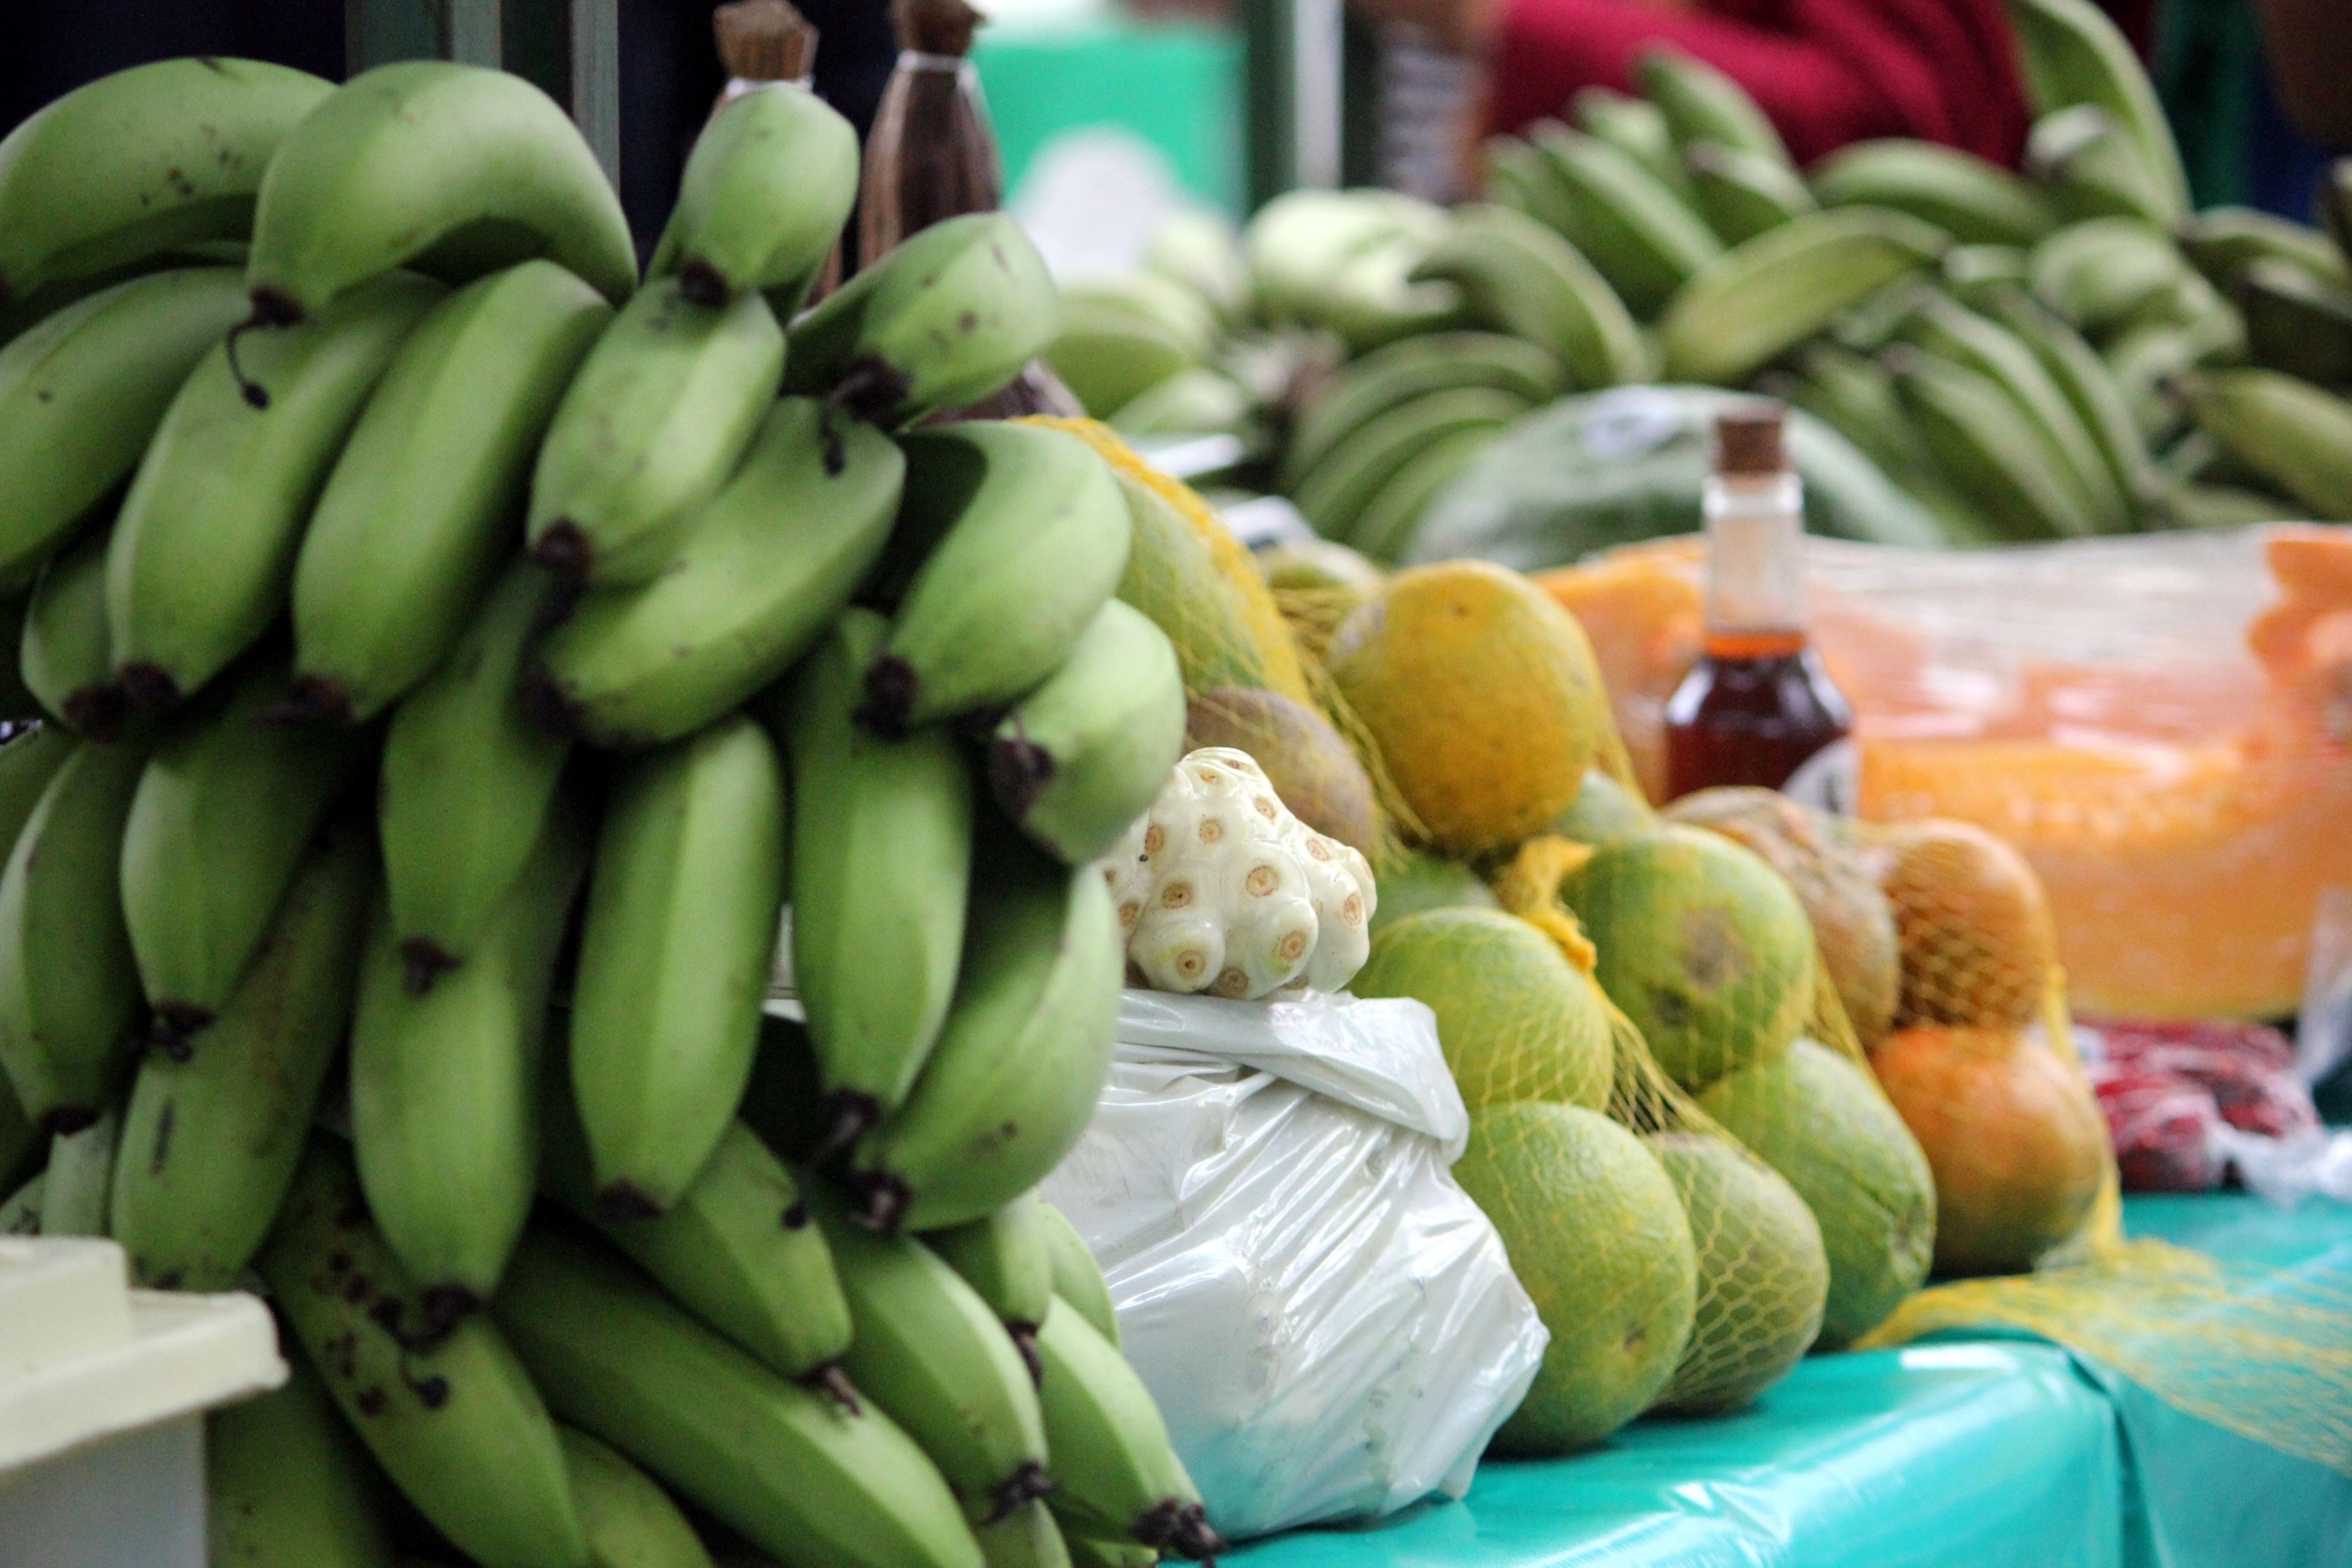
935	27
1747	440
764	40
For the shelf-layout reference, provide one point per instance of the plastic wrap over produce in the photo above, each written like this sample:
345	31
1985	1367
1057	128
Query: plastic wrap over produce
1331	1327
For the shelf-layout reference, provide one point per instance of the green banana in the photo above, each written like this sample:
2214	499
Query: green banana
1958	334
2297	323
1025	1538
1987	447
1090	1552
1023	1055
68	985
418	515
1973	199
202	552
1031	536
787	1467
1854	396
20	1212
928	1351
1076	762
1976	274
1639	235
1190	402
82	393
1372	299
1367	387
673	959
1385	530
766	190
2100	273
2093	168
63	654
1120	1474
141	162
1702	104
2146	359
1007	1257
1077	1278
766	567
222	816
2088	385
1518	177
1742	194
648	432
2221	506
1300	244
212	1135
445	1086
2073	53
1520	278
17	703
2218	241
450	170
1198	249
285	1484
1635	127
944	320
1108	356
465	782
452	1416
1353	475
2294	435
29	760
737	1249
1159	304
1758	302
79	1176
881	865
629	1520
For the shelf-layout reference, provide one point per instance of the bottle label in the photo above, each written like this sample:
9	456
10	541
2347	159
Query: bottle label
1830	780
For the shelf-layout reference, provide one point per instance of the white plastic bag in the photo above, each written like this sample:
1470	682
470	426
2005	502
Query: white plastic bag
1330	1325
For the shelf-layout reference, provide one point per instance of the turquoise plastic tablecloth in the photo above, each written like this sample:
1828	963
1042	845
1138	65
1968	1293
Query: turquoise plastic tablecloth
1959	1452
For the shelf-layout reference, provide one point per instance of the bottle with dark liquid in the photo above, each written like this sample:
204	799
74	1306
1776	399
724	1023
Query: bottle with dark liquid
1758	708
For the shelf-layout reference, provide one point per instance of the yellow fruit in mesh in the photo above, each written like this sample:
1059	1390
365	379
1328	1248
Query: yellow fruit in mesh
1482	696
1974	927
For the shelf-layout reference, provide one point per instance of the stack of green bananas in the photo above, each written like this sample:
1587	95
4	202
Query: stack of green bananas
443	658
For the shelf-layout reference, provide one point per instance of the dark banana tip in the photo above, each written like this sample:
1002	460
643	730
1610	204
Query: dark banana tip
1024	1340
872	390
563	550
882	1200
312	699
625	1200
424	961
1019	1489
699	283
550	706
275	307
444	1307
834	1384
849	1113
1019	769
64	1121
150	687
1156	1526
164	1041
99	711
891	687
1196	1538
181	1022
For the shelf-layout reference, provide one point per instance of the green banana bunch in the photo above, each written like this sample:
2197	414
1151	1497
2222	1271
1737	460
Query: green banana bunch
1385	530
766	190
1522	280
787	1467
2297	323
1299	244
2294	435
1742	194
62	656
1025	1538
2093	168
648	432
222	814
1973	199
768	564
1076	762
944	320
1640	236
2073	53
2103	273
929	1351
629	1520
675	958
1031	536
418	515
1987	447
1120	1477
1366	388
203	551
1121	336
1359	472
1635	127
445	1086
141	162
2146	359
1077	1278
1976	274
1023	1055
452	1416
2088	385
82	393
452	170
881	866
1758	302
737	1249
2219	241
213	1134
81	1174
1952	332
1702	104
68	985
1007	1257
285	1484
465	782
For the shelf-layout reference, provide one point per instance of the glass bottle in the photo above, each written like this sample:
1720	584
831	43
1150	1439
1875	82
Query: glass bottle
1758	708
